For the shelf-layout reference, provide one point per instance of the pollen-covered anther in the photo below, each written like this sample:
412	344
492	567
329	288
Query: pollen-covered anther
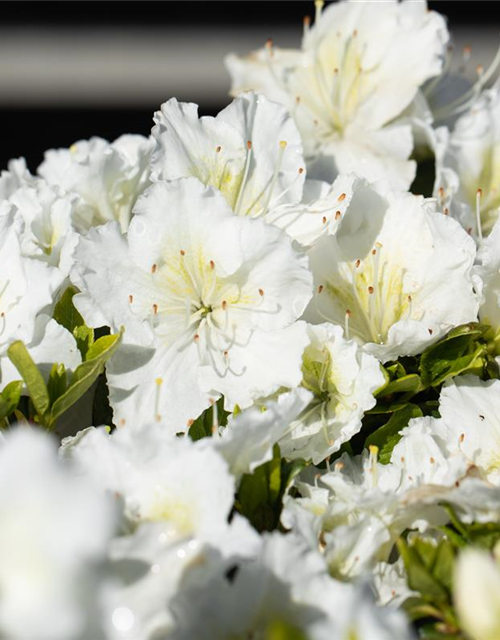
212	264
320	288
341	197
325	219
430	331
226	354
338	214
261	292
370	290
224	305
339	466
218	149
301	170
196	337
130	299
357	263
462	437
182	252
432	461
153	268
155	308
249	144
283	144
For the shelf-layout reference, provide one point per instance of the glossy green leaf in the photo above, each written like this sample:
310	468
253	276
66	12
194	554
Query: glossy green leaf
9	398
31	375
450	357
407	384
86	374
57	382
420	577
387	436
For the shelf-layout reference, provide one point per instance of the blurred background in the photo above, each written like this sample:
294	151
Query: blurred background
70	70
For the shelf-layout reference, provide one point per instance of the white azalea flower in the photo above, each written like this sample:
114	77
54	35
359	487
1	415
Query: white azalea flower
477	593
108	177
14	178
53	537
248	439
470	412
391	583
27	289
251	152
360	66
49	234
211	299
342	380
398	274
176	497
470	178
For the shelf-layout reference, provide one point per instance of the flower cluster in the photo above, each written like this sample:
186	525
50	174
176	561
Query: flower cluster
249	365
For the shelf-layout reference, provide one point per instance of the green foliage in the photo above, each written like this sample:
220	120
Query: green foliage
260	495
51	400
203	425
387	436
66	314
9	400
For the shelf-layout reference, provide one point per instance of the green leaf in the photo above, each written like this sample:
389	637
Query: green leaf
57	382
260	493
426	550
484	535
9	398
419	576
66	314
387	436
203	425
444	564
86	374
452	356
406	384
31	375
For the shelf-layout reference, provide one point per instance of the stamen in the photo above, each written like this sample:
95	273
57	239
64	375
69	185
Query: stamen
277	169
182	252
307	25
261	292
341	197
155	308
218	149
159	382
224	305
196	338
215	416
246	171
479	195
338	215
319	4
346	323
131	298
189	423
212	264
372	461
410	307
320	288
325	220
153	268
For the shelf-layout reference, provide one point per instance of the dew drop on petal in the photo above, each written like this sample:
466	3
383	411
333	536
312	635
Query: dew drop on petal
123	619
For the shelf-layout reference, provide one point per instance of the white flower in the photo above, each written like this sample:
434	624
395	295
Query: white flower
248	439
398	274
360	66
477	594
487	268
212	299
54	533
27	289
472	163
391	583
16	177
342	380
108	177
49	234
251	152
176	498
470	411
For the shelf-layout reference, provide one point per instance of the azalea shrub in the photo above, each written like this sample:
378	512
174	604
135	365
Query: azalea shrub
250	364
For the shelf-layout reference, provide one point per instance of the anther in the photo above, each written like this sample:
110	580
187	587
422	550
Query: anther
370	290
155	308
462	437
325	220
374	252
338	214
430	331
320	288
479	195
432	461
479	69
249	144
357	263
283	144
153	268
341	197
261	292
122	422
182	252
301	170
339	466
189	423
346	323
130	299
218	149
196	337
212	264
224	305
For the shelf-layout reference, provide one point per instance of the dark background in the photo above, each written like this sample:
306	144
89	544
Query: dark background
29	130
